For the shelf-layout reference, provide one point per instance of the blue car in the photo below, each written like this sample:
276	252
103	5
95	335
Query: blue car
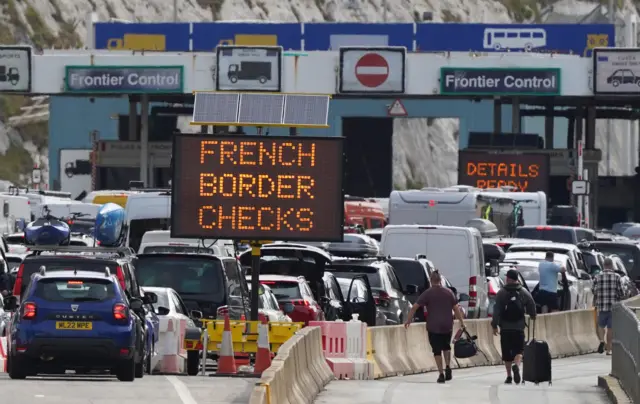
152	334
78	320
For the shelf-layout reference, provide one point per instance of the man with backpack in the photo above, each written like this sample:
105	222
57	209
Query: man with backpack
512	303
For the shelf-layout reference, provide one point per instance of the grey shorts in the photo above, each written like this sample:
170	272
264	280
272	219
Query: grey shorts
605	319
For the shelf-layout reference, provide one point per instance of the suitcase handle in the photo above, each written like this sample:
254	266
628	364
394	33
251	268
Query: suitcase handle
532	324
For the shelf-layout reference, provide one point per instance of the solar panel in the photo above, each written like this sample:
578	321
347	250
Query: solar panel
260	109
216	107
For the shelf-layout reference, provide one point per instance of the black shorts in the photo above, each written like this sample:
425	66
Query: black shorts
549	299
511	344
440	342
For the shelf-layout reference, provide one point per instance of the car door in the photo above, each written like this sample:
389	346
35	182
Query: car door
334	307
584	285
361	302
402	301
576	287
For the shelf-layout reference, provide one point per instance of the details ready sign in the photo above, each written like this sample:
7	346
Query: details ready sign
499	81
15	69
124	79
616	71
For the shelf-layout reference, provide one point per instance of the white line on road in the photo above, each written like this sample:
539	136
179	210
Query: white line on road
182	390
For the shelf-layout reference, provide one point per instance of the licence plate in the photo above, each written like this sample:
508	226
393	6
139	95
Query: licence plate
74	325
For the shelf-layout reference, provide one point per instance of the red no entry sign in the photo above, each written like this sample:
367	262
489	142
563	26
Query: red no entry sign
372	70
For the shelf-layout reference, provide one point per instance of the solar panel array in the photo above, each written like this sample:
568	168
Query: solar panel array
260	109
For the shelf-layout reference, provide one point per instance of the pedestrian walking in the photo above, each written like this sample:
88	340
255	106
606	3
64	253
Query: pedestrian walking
548	285
607	290
440	303
512	303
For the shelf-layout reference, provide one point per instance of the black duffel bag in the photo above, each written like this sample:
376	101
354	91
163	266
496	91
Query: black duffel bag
465	345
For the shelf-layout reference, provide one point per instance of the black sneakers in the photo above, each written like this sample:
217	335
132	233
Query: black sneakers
507	380
601	347
516	373
447	374
441	378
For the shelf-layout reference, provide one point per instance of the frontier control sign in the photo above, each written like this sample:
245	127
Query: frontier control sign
257	188
499	81
124	79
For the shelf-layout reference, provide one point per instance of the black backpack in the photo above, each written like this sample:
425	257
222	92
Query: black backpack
514	308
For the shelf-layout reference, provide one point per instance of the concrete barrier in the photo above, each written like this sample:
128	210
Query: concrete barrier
397	351
297	374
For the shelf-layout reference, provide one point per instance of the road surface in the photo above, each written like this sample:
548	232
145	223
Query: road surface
574	382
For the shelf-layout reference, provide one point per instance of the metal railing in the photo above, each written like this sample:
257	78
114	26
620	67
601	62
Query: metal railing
625	360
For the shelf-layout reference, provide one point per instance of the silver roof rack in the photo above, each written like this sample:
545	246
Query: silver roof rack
122	251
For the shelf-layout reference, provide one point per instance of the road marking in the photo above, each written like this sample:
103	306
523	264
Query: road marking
182	390
39	396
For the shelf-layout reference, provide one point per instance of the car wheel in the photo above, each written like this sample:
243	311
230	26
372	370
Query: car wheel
139	367
126	370
17	369
193	363
148	361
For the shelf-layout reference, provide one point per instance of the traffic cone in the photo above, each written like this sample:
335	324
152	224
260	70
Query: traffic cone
226	361
242	358
263	356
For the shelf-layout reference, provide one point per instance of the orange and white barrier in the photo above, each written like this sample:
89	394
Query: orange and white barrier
3	354
345	348
263	356
170	347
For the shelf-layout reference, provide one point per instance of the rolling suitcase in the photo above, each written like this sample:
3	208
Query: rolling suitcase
536	358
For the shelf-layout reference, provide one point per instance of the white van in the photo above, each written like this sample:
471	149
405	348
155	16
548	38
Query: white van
456	251
160	241
146	211
13	208
62	208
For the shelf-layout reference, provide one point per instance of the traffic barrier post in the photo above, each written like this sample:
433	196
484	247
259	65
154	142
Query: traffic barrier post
205	344
171	346
3	354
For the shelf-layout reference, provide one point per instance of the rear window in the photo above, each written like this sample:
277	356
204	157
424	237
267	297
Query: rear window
410	273
284	290
554	235
529	273
75	290
187	276
57	264
374	277
13	263
168	249
625	252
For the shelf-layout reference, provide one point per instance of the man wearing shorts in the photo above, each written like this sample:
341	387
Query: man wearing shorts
548	286
513	302
440	303
607	290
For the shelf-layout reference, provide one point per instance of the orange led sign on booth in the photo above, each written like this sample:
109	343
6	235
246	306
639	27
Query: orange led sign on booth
257	187
527	172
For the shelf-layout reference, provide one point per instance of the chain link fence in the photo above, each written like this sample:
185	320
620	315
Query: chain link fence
625	360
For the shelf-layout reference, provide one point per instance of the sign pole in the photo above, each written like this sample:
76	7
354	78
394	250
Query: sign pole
580	178
255	278
587	218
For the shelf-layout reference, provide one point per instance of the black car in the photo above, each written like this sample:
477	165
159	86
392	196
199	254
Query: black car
629	253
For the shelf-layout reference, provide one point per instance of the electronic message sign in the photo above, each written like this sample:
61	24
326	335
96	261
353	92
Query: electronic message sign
257	187
527	172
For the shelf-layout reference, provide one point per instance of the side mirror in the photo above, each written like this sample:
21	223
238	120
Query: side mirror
135	304
150	298
584	276
10	303
464	297
197	314
288	308
162	311
411	289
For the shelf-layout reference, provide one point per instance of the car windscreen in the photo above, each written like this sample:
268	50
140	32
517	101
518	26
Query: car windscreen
625	252
74	290
410	273
528	272
345	284
591	260
169	249
554	235
284	290
374	277
195	277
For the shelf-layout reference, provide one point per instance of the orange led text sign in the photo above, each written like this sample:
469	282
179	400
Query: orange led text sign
257	187
526	172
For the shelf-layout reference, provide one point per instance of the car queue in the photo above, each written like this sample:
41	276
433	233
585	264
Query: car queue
113	300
